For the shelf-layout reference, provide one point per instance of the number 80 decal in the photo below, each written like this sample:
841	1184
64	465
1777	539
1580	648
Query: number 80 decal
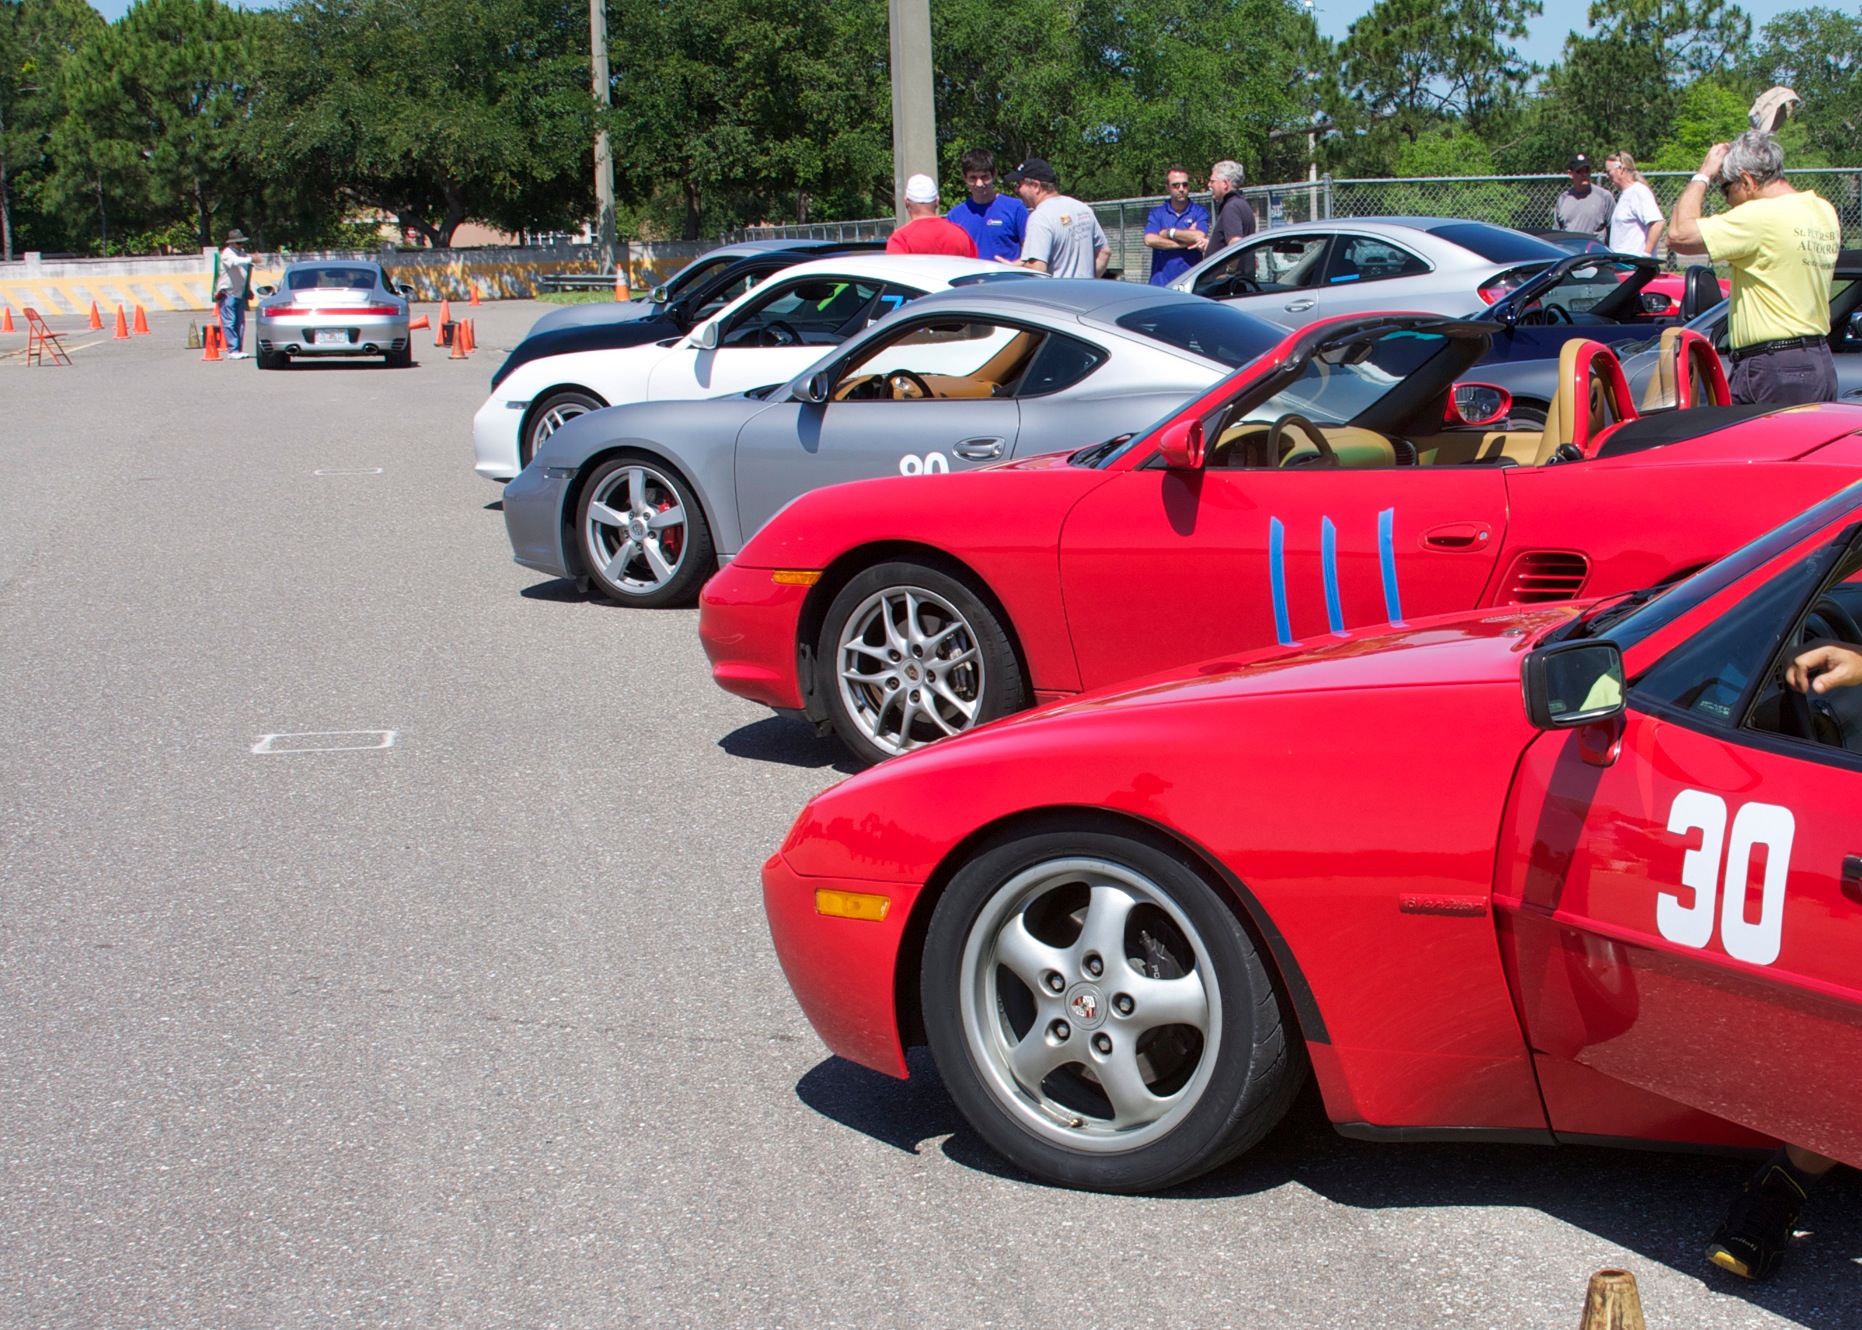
1756	942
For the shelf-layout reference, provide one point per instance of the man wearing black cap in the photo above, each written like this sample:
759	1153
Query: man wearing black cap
1583	207
1062	238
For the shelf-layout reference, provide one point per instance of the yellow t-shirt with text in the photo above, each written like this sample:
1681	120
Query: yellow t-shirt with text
1782	252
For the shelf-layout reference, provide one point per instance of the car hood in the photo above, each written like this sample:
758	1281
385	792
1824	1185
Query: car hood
586	337
674	427
594	313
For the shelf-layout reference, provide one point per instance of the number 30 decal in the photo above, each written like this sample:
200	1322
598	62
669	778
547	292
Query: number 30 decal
1691	925
930	464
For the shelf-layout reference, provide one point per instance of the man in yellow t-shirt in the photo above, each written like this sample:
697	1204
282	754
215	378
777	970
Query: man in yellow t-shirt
1781	244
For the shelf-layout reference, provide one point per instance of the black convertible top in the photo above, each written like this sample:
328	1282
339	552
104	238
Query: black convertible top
1660	428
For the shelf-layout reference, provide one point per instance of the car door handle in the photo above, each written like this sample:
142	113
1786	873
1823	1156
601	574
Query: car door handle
979	450
1457	537
1298	306
1852	878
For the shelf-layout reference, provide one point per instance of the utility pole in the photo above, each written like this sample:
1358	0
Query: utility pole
914	114
604	154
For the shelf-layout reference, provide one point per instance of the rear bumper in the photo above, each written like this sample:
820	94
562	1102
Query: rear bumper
358	335
748	624
844	971
533	520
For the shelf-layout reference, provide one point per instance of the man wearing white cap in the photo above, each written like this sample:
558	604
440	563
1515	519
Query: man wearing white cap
928	233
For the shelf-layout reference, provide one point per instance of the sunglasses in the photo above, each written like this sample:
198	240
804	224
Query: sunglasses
1179	184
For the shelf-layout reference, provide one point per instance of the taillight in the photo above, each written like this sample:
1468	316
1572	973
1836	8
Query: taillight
1504	284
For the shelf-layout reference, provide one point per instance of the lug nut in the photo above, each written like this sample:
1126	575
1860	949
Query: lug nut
894	655
1061	1032
1122	1004
914	694
1103	1043
1094	966
892	684
1054	982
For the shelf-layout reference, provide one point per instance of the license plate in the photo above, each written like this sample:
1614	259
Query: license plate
328	336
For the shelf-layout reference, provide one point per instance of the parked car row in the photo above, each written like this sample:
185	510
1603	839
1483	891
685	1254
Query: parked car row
1395	673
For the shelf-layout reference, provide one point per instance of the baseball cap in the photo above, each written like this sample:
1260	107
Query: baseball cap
1579	162
921	189
1034	169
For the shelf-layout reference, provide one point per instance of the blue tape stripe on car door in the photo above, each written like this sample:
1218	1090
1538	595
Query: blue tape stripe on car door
1277	572
1328	555
1386	555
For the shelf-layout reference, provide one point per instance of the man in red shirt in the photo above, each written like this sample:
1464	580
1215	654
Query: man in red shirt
928	233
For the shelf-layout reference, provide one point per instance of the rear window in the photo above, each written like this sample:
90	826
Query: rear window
1497	244
331	279
1220	333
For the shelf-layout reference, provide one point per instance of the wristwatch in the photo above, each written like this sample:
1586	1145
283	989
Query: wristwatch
1700	178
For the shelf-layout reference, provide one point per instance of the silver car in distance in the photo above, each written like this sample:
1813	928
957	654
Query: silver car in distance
642	501
332	308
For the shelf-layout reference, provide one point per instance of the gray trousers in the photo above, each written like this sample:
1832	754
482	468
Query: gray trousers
1790	377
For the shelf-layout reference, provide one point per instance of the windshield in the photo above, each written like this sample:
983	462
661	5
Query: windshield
694	271
331	279
1220	333
1343	380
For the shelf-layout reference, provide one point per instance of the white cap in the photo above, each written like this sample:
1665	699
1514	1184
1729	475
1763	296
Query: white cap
921	189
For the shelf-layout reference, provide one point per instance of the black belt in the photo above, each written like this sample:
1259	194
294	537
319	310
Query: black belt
1739	353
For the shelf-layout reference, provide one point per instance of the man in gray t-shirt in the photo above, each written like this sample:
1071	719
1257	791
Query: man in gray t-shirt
1583	207
1062	238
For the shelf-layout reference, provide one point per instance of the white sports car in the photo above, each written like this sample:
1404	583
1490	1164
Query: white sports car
766	336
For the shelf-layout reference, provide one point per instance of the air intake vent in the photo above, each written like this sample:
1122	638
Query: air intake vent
1542	575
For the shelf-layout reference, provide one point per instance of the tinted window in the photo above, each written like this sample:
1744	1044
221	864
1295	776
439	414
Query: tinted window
1224	335
331	279
697	271
1833	718
1367	259
1060	363
1496	244
816	311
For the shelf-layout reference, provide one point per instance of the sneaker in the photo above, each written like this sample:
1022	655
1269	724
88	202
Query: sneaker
238	355
1758	1228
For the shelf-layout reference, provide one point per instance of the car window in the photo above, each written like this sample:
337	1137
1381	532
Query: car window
1060	363
1586	286
1828	720
1497	244
809	311
330	279
696	272
711	302
1282	264
1368	259
952	357
1220	333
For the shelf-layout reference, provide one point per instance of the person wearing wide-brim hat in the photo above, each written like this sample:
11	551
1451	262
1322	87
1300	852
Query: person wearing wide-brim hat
232	288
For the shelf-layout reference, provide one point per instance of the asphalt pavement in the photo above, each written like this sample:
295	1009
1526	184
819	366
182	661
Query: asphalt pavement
473	1020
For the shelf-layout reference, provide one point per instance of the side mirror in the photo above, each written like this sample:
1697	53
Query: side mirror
1573	683
815	388
1181	445
264	290
405	289
1654	302
1477	404
708	337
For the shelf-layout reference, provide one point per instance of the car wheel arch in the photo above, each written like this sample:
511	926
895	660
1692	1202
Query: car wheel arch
845	567
543	395
572	496
1304	1015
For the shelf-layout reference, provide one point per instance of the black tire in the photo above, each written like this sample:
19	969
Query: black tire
888	716
548	415
402	359
1236	1077
271	359
684	550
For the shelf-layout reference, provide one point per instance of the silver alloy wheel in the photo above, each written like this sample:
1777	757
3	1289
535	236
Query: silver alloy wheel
1078	1042
634	530
552	420
909	668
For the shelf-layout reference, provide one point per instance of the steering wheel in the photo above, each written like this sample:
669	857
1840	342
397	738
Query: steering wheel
896	377
778	333
1827	621
1326	456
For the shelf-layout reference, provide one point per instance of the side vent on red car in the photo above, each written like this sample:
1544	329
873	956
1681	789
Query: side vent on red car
1541	575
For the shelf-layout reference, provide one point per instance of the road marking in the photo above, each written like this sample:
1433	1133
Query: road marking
348	471
325	741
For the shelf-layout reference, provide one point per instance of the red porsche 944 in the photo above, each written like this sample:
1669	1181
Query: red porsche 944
1343	480
1558	873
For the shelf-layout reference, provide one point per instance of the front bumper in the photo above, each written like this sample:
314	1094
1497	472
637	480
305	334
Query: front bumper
337	335
494	434
533	519
748	624
844	971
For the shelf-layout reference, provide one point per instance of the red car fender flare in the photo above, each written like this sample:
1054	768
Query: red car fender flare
1248	908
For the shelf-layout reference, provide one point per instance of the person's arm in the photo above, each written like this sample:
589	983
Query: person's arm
1038	265
1684	230
1158	235
1101	258
1835	666
1656	228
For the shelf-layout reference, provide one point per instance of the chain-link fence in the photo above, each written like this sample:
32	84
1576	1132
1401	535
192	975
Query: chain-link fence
1523	201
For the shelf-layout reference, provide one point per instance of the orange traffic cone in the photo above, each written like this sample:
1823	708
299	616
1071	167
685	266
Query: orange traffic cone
446	317
415	325
459	343
141	326
621	289
6	318
122	326
474	299
471	332
210	342
96	318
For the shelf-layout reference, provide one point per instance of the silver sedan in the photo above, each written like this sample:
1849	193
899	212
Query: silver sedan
333	309
643	500
1295	275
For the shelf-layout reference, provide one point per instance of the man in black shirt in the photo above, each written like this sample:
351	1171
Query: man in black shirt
1233	218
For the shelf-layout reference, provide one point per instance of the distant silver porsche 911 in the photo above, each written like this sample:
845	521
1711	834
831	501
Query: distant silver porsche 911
643	500
332	308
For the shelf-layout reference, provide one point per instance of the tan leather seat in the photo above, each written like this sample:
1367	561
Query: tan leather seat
1660	391
1562	415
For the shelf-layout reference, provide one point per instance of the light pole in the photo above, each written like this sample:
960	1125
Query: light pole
604	156
914	113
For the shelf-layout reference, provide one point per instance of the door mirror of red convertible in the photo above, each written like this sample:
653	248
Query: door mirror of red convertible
1476	404
1573	683
1181	445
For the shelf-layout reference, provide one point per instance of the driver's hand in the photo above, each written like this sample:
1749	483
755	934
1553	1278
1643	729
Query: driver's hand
1825	666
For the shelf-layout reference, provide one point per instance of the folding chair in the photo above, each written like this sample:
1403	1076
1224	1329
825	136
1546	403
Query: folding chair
39	337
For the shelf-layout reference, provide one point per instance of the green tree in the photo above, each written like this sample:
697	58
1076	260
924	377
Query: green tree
1817	53
36	38
1409	65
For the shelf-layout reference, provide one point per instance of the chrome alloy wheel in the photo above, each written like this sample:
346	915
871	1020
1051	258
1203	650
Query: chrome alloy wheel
1088	1007
635	530
909	669
548	422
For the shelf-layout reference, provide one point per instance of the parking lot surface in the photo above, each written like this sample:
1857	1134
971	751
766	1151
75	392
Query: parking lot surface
471	1018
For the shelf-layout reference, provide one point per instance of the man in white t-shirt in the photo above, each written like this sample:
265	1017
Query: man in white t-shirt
1063	238
1636	222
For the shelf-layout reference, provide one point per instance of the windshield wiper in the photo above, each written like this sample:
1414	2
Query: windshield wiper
1093	454
1608	616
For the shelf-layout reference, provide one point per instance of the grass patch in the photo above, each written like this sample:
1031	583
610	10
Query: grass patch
575	297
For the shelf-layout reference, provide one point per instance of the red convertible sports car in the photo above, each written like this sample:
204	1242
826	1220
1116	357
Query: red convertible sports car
1325	486
1537	874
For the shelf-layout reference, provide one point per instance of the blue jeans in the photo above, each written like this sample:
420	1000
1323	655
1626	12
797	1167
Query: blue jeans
233	322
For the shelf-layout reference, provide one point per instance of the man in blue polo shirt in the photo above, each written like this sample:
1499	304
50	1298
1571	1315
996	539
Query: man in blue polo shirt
996	222
1175	230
